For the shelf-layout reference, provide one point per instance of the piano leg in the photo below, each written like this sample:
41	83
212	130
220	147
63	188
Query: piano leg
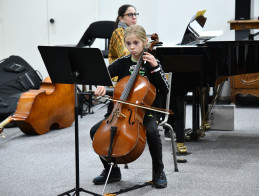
195	115
178	105
204	110
179	111
200	102
177	120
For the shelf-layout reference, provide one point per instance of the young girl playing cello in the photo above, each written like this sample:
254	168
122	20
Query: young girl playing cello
136	40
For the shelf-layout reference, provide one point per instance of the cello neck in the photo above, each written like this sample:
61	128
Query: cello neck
132	79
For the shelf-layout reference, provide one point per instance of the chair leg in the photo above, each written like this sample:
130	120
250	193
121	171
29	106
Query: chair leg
173	146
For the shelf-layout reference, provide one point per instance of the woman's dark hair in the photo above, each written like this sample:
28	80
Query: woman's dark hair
121	13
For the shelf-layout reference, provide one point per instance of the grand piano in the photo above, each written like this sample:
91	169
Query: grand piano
204	63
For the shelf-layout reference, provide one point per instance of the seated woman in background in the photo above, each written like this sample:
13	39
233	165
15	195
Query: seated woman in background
127	16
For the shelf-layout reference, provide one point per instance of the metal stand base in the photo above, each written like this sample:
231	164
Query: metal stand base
76	190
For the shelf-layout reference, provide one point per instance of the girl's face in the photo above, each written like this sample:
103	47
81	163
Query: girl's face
129	18
134	45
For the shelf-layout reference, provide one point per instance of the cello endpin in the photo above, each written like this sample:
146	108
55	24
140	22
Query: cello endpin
1	134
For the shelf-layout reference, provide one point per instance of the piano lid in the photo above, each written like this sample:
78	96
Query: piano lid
230	37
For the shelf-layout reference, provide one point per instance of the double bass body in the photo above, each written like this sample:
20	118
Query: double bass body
50	107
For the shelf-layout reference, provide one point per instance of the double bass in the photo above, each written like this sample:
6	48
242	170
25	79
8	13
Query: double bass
121	138
49	107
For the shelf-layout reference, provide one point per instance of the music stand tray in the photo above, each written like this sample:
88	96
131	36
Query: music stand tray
71	65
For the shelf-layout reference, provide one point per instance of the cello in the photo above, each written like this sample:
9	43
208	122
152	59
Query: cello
49	107
121	138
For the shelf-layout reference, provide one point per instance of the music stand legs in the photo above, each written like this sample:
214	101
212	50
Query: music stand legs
76	190
76	65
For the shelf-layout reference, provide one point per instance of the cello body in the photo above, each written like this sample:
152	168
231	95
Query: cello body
49	107
130	137
121	138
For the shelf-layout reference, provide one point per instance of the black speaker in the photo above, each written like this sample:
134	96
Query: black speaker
244	9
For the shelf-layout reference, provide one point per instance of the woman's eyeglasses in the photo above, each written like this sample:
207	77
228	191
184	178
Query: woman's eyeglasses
131	15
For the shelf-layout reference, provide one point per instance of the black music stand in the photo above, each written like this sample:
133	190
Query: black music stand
70	65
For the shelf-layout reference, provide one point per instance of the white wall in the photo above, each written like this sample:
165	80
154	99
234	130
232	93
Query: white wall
177	14
256	11
24	27
167	18
1	32
72	17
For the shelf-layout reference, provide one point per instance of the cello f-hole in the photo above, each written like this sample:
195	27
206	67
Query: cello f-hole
131	123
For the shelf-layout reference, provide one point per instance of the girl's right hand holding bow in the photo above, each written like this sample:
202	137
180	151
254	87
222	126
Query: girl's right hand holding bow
100	91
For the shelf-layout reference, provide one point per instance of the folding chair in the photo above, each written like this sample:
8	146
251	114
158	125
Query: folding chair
165	124
100	30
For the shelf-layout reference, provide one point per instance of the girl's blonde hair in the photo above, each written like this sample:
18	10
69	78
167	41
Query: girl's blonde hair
139	31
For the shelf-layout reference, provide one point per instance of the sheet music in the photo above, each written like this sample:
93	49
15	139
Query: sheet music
174	45
197	29
210	34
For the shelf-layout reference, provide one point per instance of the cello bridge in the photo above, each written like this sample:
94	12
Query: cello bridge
118	114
